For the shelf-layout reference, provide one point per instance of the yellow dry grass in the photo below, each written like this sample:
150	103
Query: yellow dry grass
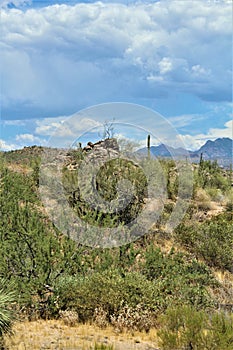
54	334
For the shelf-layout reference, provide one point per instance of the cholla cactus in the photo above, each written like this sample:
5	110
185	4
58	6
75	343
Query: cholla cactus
132	319
100	317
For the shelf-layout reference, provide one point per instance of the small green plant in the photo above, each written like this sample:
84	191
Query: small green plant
7	297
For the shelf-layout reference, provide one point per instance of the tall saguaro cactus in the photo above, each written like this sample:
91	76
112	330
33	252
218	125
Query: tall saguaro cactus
148	146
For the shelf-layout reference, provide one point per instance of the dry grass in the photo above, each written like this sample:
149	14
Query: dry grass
18	168
52	334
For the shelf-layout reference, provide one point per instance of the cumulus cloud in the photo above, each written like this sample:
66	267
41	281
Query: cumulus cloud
55	127
61	58
7	146
47	126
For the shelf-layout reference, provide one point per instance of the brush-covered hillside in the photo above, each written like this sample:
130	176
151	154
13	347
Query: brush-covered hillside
175	288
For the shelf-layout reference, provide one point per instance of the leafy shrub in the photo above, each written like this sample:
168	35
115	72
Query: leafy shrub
212	241
114	296
210	175
184	327
177	277
103	291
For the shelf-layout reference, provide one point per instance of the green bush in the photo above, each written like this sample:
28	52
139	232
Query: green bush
162	280
212	241
105	291
177	277
184	327
210	175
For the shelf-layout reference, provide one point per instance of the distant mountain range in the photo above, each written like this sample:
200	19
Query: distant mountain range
220	150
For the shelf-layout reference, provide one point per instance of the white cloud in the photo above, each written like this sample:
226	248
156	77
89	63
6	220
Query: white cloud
13	122
165	65
185	119
198	70
196	141
64	127
47	126
7	146
67	57
27	138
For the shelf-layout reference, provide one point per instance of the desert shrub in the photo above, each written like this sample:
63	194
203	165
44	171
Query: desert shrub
85	294
229	201
33	253
184	327
203	199
133	319
212	241
100	317
69	317
210	175
103	291
220	332
177	277
111	294
216	194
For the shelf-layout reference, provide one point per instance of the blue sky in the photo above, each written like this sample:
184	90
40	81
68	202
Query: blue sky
59	57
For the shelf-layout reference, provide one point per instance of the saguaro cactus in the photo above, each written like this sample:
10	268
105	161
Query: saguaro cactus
148	146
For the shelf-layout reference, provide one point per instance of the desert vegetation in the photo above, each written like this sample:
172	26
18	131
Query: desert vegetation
179	284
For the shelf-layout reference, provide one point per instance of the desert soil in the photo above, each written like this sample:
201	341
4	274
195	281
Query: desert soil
55	335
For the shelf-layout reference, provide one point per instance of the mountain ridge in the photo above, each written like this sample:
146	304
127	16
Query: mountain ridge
219	149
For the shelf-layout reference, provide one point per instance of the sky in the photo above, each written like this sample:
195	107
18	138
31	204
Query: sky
58	58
